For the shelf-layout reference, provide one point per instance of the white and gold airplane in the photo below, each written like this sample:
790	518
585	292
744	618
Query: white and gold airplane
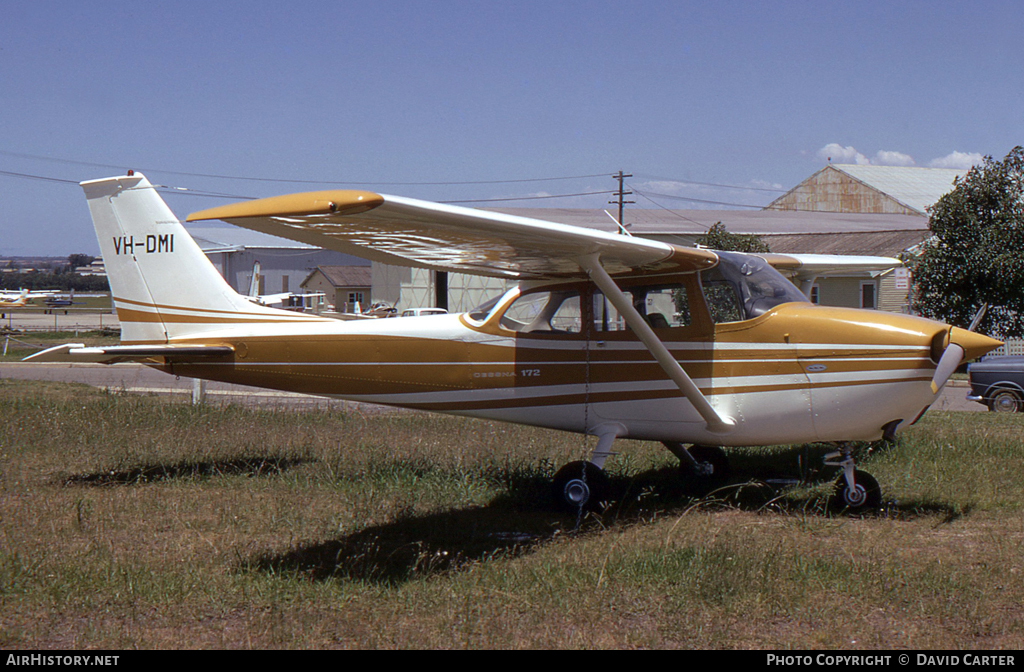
15	301
607	335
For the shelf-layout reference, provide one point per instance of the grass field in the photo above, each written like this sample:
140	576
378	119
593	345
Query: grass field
130	521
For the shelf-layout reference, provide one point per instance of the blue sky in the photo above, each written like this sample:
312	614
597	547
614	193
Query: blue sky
392	95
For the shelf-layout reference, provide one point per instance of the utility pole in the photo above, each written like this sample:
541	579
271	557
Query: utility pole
621	194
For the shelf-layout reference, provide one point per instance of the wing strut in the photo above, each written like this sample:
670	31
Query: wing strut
715	422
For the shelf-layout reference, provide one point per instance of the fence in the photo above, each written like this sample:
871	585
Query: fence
1011	346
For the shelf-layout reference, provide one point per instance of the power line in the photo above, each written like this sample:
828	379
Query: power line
36	177
161	187
715	184
529	198
184	191
695	200
293	181
670	211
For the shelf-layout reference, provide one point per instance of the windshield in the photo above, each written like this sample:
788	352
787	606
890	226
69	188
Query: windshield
743	286
481	312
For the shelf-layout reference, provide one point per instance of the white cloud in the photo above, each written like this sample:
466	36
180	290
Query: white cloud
764	184
887	158
958	160
836	153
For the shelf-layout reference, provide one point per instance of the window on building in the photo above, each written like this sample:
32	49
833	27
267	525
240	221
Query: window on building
814	294
867	294
354	298
284	283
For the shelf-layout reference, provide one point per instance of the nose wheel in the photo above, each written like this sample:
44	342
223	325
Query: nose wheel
855	490
864	494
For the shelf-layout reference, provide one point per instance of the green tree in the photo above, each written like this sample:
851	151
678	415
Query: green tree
719	238
78	260
976	253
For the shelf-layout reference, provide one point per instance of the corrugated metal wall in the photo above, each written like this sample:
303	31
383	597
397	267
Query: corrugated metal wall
831	190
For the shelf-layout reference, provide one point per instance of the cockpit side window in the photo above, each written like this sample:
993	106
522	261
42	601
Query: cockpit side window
743	286
721	296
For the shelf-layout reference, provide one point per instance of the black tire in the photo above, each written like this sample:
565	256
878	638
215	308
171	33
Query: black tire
867	495
1004	401
579	485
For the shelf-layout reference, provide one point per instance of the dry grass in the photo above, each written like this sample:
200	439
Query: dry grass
136	522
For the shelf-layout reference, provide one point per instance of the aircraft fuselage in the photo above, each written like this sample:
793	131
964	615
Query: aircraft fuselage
783	377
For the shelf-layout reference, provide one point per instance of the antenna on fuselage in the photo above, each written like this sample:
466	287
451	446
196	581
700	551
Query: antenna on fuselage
622	229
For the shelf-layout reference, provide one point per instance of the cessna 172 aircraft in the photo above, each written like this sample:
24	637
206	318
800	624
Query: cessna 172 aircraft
608	335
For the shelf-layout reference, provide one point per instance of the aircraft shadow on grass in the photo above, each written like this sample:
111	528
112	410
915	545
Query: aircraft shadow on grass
523	519
246	466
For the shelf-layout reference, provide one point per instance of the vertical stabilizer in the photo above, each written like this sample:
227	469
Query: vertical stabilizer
163	285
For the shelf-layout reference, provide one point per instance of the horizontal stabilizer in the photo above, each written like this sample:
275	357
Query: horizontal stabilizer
821	265
79	353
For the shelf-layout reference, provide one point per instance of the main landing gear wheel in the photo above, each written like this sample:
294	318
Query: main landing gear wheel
580	485
864	495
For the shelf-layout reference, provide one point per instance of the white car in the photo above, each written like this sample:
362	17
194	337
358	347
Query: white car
419	312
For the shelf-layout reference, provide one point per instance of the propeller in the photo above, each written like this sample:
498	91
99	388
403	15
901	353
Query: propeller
951	358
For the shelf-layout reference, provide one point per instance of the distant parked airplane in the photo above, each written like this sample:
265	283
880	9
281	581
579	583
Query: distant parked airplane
60	301
14	301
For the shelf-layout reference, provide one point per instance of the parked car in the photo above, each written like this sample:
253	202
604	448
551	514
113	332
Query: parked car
998	382
417	312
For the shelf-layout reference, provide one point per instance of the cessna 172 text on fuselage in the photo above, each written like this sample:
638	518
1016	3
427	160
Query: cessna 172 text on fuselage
608	335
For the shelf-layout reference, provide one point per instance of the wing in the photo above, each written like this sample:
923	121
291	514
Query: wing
409	232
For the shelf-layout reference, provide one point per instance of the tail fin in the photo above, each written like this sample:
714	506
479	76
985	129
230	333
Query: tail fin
163	285
254	281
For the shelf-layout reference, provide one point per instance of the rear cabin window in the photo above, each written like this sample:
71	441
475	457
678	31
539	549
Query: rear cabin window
661	306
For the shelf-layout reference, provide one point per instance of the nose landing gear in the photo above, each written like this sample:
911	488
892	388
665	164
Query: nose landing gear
855	490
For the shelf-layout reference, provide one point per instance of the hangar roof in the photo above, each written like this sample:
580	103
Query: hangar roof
917	188
832	187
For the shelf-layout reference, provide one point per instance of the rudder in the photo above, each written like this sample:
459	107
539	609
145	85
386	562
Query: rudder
162	283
